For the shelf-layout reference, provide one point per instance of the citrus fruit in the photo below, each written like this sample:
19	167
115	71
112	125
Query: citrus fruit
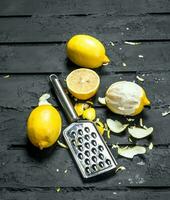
44	126
83	83
86	51
89	114
126	98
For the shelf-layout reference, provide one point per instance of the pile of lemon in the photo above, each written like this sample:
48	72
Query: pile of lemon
126	98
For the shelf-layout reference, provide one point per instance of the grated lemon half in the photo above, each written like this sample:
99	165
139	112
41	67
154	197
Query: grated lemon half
126	98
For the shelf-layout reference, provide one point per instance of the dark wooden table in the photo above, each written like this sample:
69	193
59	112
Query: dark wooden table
33	36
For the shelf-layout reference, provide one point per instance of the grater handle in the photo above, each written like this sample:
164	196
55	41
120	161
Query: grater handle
63	98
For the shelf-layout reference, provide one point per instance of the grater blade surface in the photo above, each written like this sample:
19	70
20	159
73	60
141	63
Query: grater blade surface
88	148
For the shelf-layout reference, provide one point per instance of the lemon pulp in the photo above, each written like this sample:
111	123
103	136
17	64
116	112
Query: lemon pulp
83	83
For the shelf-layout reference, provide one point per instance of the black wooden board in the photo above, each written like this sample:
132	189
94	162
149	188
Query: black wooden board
52	58
30	168
60	7
86	194
23	91
13	128
33	36
59	29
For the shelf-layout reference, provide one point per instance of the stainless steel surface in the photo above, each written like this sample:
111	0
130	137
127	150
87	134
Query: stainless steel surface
88	148
63	99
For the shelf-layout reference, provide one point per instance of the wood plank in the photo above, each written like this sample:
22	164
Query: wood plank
38	169
24	7
89	194
13	127
23	91
106	28
52	58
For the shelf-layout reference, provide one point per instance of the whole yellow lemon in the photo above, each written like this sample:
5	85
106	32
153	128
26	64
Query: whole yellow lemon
44	126
86	51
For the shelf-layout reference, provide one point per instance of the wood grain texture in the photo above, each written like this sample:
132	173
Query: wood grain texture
33	35
23	91
30	168
51	58
106	28
13	127
60	7
85	194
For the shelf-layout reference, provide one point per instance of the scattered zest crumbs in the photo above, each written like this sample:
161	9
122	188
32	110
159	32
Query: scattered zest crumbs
165	113
139	78
7	76
115	146
132	43
112	44
58	189
150	146
130	119
141	123
124	64
121	168
90	102
62	145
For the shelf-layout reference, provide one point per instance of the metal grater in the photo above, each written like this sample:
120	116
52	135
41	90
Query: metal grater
87	146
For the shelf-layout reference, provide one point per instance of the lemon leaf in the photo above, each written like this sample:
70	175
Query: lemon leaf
130	152
116	126
139	133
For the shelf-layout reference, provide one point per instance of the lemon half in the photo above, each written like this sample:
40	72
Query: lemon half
83	83
44	126
86	51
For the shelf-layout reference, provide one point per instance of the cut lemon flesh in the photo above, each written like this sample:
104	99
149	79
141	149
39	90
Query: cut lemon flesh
83	83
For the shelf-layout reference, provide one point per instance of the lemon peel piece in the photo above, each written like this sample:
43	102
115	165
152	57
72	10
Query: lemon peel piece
89	114
139	78
121	168
116	126
130	152
107	130
80	107
101	100
132	43
165	113
62	145
58	189
150	147
139	133
100	129
43	99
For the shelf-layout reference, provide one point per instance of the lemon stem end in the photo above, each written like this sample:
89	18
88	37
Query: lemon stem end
106	60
